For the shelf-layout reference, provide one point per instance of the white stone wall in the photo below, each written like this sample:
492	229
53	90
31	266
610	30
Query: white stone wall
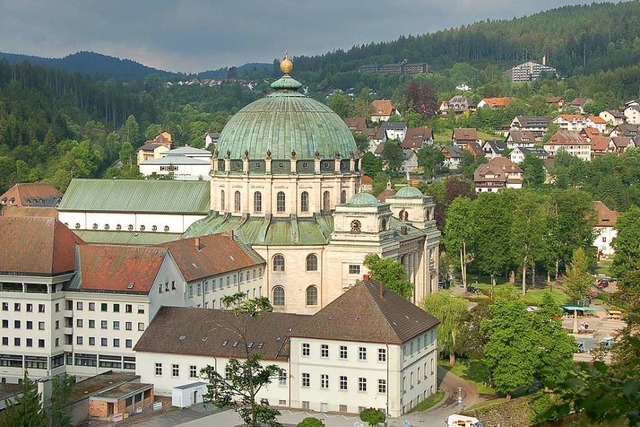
208	292
603	239
180	172
163	223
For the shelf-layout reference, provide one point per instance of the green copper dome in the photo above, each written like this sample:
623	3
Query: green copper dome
409	193
363	199
286	121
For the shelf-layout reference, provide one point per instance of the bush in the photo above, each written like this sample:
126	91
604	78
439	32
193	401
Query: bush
373	416
310	422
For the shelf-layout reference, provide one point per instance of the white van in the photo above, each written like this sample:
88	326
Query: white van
463	421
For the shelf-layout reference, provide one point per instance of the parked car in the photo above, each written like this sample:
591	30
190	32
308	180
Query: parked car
474	291
603	283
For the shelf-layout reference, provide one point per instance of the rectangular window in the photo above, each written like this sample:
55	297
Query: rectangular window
343	382
116	308
128	326
343	352
29	308
79	305
190	291
79	340
79	323
16	306
141	309
158	369
92	340
324	381
175	370
159	288
128	343
382	355
362	353
29	324
92	306
5	323
41	326
16	324
306	349
282	378
5	306
5	340
16	342
382	386
92	324
103	342
29	342
116	342
306	379
140	326
193	372
103	324
116	325
41	343
103	306
362	384
324	350
128	308
354	269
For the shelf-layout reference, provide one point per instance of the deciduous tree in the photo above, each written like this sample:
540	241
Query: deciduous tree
578	281
459	230
451	311
390	272
627	256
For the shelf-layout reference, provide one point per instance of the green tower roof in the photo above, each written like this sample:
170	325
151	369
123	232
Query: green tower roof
409	193
286	121
363	199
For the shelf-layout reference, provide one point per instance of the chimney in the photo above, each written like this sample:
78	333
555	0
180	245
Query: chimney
197	242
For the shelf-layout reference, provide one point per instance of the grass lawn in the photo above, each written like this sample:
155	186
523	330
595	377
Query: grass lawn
533	297
473	371
486	403
430	401
604	267
444	137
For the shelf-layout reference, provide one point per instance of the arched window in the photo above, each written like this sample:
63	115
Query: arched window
278	263
312	262
343	196
236	201
257	201
278	295
221	200
280	201
312	295
304	202
326	201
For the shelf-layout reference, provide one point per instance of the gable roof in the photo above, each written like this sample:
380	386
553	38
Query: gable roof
358	124
532	121
31	194
498	166
114	268
454	151
465	134
579	102
597	120
28	211
210	332
394	125
132	196
36	246
367	312
522	136
495	145
600	143
416	137
150	146
210	255
382	107
622	142
498	102
566	137
605	217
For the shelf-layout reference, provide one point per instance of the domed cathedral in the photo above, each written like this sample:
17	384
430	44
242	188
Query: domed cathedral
286	179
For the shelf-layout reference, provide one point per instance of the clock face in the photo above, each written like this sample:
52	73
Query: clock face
355	226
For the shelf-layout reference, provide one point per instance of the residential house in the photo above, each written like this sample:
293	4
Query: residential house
519	153
613	117
536	124
344	358
499	173
518	138
632	114
625	129
600	145
452	156
395	130
502	102
211	138
493	148
555	102
597	122
464	136
458	104
529	71
604	229
414	140
153	149
590	133
184	163
579	103
475	149
571	122
32	194
356	124
570	141
620	144
382	110
376	142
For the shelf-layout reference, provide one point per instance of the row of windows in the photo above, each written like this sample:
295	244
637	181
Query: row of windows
343	382
220	282
17	307
175	370
311	262
343	352
130	227
278	295
17	324
104	324
280	201
104	342
423	341
104	307
17	342
417	376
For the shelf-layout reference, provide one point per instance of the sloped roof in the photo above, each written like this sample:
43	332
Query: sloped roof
522	136
38	246
103	195
571	117
416	137
621	141
32	194
463	134
122	237
367	312
566	137
205	256
597	120
356	123
605	217
114	268
579	102
533	121
600	143
382	107
150	146
498	166
498	102
28	211
210	332
366	180
394	125
453	150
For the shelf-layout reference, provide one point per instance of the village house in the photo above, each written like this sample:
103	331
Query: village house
571	142
452	156
538	125
395	131
458	105
494	102
579	103
519	153
31	194
571	122
210	138
625	129
499	173
154	148
604	229
600	145
632	114
184	163
382	110
356	124
620	144
555	102
493	148
613	117
518	138
597	122
464	136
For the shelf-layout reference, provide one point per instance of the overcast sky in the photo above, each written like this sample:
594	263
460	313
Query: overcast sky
199	35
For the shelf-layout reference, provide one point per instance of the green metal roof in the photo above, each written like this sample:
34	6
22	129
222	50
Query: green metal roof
409	193
286	121
137	196
125	237
363	199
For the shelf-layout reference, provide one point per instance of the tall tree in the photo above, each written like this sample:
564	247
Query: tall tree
430	159
371	165
534	174
451	312
392	156
238	385
459	231
390	272
423	98
627	258
341	104
26	410
578	281
62	388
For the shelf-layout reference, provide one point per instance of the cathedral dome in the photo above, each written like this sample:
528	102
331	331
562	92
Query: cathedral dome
283	122
363	199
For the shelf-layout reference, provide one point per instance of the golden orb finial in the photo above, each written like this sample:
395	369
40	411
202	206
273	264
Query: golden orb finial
286	65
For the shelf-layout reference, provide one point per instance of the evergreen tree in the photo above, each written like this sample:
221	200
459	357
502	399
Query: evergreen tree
26	410
62	388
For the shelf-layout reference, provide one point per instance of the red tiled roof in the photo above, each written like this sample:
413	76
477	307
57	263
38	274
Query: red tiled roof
498	102
385	194
366	180
36	246
113	268
461	134
590	132
501	167
600	143
23	194
571	117
356	123
605	216
565	137
597	120
205	256
28	211
382	107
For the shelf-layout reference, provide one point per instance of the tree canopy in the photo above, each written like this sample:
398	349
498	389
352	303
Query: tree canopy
390	272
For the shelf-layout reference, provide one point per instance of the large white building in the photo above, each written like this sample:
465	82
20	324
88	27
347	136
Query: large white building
368	348
184	163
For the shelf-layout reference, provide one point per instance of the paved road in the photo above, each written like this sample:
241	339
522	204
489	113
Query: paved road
198	417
